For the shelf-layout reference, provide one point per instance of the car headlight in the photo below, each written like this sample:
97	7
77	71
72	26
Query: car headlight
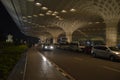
51	47
116	52
46	47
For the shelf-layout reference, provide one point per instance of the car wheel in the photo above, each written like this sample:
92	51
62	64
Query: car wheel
112	58
94	55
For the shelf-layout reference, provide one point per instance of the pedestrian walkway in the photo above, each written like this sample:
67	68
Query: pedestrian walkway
18	70
39	68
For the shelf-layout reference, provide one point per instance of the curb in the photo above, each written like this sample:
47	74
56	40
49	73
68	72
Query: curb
25	67
65	74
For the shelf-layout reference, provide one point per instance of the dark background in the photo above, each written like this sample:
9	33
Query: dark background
8	26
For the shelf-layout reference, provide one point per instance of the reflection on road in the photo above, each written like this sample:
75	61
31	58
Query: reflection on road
83	66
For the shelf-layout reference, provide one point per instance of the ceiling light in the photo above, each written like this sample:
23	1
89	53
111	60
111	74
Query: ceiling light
90	23
44	8
35	15
49	11
55	12
63	11
24	17
72	10
97	22
38	4
29	22
24	20
41	14
57	16
29	16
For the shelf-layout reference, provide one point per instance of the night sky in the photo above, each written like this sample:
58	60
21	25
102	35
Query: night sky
8	26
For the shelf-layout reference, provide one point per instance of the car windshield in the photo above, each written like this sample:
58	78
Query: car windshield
114	48
47	44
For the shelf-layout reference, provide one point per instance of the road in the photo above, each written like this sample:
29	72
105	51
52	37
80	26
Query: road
84	67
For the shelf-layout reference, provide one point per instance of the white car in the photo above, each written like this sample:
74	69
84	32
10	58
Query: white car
47	47
112	53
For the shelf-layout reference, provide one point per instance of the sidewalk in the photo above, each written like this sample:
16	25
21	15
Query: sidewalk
39	68
18	71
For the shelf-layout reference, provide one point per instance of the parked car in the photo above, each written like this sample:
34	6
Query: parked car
112	53
64	46
48	47
75	47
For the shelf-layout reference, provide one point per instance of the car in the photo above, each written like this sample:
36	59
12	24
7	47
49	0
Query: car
112	53
64	46
74	47
48	47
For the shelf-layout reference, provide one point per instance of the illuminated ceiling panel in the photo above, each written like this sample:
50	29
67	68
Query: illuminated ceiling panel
30	14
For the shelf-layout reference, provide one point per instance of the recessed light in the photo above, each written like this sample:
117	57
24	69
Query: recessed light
24	17
29	22
72	10
35	15
97	22
49	11
38	4
44	8
41	14
29	16
63	11
90	23
57	16
24	20
55	12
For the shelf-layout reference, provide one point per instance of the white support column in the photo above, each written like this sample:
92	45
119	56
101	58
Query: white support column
111	33
54	40
69	36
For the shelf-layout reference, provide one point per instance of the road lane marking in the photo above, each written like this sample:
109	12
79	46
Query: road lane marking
63	72
112	69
